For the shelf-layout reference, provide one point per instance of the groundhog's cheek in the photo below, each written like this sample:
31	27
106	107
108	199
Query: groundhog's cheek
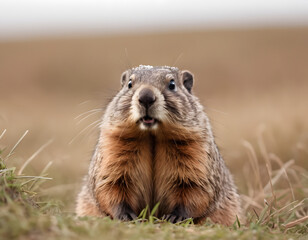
158	110
136	112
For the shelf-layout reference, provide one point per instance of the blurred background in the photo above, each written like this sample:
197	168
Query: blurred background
61	61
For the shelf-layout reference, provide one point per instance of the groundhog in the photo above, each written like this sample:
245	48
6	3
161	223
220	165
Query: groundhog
156	146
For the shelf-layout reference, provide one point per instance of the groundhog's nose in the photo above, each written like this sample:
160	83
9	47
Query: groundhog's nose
146	97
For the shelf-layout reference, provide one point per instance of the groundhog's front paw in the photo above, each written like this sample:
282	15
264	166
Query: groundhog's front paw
174	218
123	212
178	214
127	216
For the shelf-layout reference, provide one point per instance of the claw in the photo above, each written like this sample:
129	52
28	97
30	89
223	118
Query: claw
127	216
173	218
178	214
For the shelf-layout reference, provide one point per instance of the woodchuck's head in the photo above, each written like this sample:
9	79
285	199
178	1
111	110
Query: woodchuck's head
154	96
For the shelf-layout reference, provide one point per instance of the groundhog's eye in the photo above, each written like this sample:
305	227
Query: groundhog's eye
130	84
171	84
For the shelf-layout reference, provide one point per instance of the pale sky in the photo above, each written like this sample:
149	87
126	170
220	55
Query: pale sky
36	18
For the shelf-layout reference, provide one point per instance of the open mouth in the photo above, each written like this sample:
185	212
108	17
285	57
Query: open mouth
148	121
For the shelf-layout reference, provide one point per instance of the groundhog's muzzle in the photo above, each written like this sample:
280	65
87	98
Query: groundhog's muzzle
146	97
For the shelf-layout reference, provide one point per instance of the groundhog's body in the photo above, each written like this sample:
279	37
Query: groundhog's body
156	145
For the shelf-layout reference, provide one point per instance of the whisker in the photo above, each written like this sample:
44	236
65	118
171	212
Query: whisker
90	111
93	128
84	102
84	118
178	58
95	122
217	111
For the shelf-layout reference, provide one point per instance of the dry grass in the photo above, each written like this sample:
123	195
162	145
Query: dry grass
24	214
252	82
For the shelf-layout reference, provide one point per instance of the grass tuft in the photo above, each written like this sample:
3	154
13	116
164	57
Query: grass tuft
274	210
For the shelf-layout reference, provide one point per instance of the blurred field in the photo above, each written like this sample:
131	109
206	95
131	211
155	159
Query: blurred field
254	84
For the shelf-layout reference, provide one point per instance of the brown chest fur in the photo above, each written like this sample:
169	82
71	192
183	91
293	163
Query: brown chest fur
146	169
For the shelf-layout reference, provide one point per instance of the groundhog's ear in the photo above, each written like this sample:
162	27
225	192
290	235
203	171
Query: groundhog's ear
188	80
123	78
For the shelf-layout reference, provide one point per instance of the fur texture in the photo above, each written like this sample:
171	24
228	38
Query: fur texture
162	152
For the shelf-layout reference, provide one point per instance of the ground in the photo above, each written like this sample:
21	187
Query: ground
253	84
